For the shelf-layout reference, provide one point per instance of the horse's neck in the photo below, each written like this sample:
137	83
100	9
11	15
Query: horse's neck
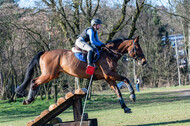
120	47
111	53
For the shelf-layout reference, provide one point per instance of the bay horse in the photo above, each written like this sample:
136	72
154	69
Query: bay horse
52	63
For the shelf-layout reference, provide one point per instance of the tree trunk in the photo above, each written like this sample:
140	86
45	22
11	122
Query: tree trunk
189	50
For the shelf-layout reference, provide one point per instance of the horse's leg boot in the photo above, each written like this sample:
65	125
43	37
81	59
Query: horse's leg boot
127	110
31	96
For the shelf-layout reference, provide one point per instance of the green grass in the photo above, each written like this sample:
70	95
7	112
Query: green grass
161	106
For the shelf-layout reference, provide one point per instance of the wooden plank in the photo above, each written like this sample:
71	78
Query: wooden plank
52	107
45	112
36	119
30	123
80	91
69	95
60	100
90	122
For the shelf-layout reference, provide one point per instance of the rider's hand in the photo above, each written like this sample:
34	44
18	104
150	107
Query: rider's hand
103	45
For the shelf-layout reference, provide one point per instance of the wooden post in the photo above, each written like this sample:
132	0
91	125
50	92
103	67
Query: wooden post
77	109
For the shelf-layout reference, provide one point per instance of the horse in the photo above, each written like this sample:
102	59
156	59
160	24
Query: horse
52	63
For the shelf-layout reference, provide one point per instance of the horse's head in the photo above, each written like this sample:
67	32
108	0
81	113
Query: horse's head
119	47
134	50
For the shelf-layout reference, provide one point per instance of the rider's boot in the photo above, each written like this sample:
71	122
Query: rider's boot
90	68
90	58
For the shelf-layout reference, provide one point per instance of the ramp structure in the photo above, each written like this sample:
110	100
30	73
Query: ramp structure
71	99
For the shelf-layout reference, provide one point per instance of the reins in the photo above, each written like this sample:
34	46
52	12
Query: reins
114	53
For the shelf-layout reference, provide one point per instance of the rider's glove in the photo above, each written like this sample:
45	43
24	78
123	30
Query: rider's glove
103	45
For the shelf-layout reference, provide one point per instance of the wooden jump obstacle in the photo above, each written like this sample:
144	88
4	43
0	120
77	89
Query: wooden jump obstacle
71	99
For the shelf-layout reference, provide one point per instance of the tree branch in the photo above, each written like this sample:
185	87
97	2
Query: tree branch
174	14
84	13
119	23
96	8
65	17
137	13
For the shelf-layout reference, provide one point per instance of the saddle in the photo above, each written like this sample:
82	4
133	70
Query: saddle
82	54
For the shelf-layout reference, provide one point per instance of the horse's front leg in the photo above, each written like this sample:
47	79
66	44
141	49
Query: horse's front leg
114	87
131	90
114	76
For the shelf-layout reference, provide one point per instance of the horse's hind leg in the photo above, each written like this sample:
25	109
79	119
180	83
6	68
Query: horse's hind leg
35	87
31	96
41	80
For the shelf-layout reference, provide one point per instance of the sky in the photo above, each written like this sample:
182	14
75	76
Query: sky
31	3
27	3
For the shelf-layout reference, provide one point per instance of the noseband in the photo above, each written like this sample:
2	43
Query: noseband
136	56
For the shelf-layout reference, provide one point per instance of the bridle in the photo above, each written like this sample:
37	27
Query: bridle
117	54
136	56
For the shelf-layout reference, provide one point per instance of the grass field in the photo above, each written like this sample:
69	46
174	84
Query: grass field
160	106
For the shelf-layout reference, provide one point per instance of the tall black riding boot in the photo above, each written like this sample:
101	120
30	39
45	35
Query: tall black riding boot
90	58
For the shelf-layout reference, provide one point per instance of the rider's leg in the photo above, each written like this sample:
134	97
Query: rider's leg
90	58
84	46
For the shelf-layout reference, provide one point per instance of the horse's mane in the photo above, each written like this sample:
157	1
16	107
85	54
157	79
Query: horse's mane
113	44
118	40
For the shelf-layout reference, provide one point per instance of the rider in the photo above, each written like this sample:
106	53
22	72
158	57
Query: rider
90	34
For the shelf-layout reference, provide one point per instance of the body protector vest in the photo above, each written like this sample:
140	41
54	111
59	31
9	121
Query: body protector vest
85	36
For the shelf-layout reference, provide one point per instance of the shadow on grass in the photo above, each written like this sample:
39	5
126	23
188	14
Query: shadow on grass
163	97
164	123
12	118
98	103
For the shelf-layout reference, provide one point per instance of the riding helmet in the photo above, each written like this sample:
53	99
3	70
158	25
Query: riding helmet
95	22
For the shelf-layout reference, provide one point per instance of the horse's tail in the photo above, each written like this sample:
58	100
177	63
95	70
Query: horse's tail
29	74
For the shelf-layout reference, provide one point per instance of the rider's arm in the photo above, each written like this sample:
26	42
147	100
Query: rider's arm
96	38
90	32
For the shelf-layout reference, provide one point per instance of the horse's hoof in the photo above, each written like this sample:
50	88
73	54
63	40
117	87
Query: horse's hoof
26	101
133	97
127	110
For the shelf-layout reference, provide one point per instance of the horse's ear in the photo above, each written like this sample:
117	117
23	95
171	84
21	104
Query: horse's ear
136	39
